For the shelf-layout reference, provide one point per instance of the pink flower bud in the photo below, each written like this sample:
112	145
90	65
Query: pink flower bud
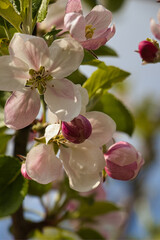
24	172
147	51
78	130
123	162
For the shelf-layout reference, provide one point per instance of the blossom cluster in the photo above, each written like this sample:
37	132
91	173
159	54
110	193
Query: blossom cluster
73	139
149	49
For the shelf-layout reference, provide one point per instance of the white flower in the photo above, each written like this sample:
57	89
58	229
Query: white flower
83	162
33	66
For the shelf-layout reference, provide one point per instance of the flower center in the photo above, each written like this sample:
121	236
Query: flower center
89	30
38	79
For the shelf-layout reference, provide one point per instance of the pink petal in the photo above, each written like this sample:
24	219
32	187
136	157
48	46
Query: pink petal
14	73
121	172
42	164
74	6
155	28
66	55
75	23
32	50
95	43
63	99
103	127
21	108
99	18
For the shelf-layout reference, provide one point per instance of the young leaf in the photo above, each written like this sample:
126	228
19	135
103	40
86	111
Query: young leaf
8	12
89	233
42	12
13	187
105	51
104	78
110	105
77	77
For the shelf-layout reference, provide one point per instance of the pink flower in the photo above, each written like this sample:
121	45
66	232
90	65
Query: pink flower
91	31
123	162
34	69
78	130
148	51
155	28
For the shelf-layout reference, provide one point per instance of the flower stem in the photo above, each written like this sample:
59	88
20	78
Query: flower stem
44	109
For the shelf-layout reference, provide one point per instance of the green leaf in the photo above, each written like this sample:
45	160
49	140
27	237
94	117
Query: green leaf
91	3
96	209
8	12
51	36
113	5
4	138
77	77
110	105
35	7
88	233
42	12
13	187
104	78
105	51
37	189
50	233
16	5
88	57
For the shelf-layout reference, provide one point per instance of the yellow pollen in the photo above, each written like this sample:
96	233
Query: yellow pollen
89	30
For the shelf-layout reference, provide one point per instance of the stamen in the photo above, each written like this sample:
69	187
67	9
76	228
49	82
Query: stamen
89	30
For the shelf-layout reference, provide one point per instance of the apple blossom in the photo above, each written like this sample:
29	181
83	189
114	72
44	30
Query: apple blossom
91	31
155	28
82	162
123	162
24	172
33	66
148	51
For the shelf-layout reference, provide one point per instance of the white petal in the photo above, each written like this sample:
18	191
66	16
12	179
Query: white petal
84	98
103	127
155	28
66	54
22	108
83	164
51	131
52	118
74	6
42	164
31	49
63	99
13	72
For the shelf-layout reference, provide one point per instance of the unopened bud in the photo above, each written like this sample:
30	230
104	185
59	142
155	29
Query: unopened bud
78	130
24	172
148	51
123	162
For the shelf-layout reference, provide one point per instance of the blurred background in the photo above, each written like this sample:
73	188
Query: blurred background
141	94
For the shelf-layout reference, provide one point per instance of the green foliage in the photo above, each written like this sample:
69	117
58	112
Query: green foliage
110	105
4	138
88	233
105	51
50	233
8	12
77	77
42	12
37	189
113	5
104	78
13	187
51	36
90	3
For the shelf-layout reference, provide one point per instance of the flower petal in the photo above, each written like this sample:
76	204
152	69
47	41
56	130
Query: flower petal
155	28
13	73
51	131
83	164
75	23
99	18
52	118
74	6
21	108
32	50
103	127
66	55
95	43
63	98
84	98
42	164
